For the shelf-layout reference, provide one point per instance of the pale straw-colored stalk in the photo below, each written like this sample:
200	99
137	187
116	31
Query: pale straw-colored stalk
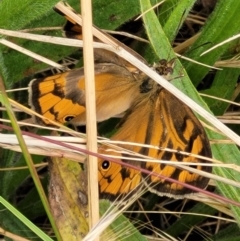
86	8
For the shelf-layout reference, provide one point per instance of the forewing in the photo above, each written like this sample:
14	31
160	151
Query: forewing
61	97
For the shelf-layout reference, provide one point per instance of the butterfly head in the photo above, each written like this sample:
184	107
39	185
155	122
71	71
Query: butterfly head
164	67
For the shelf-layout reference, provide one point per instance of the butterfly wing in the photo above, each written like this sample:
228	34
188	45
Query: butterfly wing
179	130
61	97
73	30
48	97
116	180
160	119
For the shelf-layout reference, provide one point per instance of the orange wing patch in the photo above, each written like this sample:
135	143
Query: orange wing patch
116	180
62	97
53	100
154	121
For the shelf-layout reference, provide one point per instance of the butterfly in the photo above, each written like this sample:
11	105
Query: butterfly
152	116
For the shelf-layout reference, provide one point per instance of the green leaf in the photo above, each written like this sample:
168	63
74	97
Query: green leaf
230	233
222	25
109	14
12	12
176	18
182	224
223	87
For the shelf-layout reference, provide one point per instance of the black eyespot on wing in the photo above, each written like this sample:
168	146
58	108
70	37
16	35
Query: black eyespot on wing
68	118
105	165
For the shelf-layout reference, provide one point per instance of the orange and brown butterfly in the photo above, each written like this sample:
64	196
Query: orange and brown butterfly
153	117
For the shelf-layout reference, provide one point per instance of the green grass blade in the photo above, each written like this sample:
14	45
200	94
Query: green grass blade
4	100
223	24
29	224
